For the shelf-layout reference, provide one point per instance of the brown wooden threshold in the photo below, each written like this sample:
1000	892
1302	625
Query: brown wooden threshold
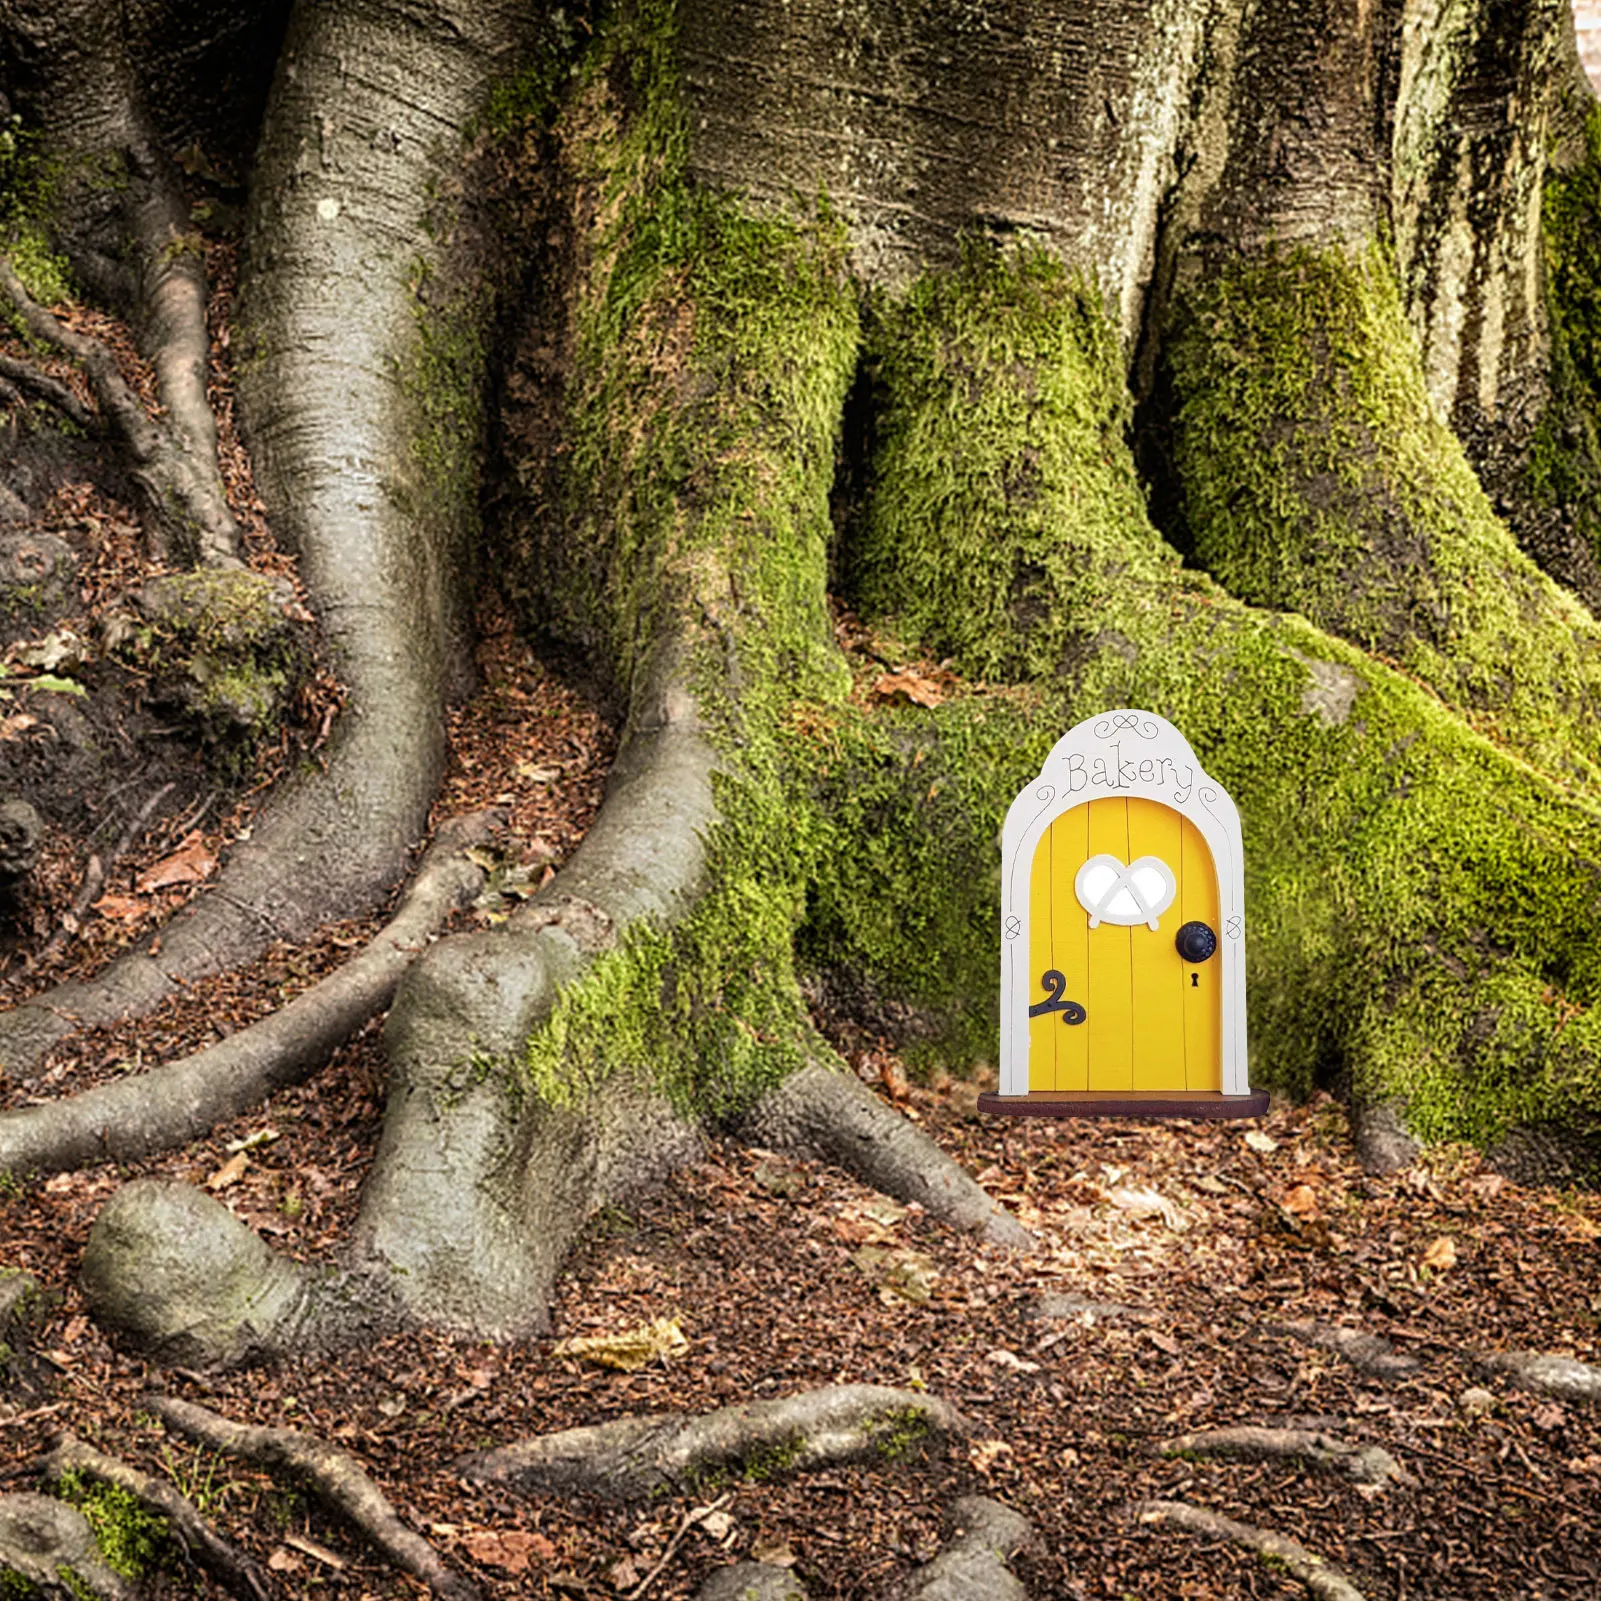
1125	1103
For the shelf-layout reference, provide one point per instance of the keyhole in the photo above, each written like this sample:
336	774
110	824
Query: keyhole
1195	981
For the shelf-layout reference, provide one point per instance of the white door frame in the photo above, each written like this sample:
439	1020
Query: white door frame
1120	754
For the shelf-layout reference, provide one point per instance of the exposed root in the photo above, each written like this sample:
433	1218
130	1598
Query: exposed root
43	387
172	316
181	504
172	1105
1367	1353
752	1581
1322	1581
336	1478
831	1115
1563	1377
242	1576
633	1459
1368	1465
48	1544
984	1537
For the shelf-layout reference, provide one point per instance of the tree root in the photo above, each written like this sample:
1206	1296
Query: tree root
1564	1378
381	549
1322	1581
831	1115
336	1478
635	1458
1368	1465
1367	1353
185	506
49	1545
169	1106
752	1581
984	1537
49	390
241	1575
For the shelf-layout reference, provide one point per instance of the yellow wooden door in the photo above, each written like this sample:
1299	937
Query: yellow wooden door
1152	1020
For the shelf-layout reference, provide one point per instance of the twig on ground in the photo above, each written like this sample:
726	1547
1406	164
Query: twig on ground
200	1541
93	878
685	1524
1324	1582
333	1475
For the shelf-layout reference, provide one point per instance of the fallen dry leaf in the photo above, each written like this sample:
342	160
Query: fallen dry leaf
17	723
229	1173
1441	1255
121	908
776	1554
1301	1201
511	1549
191	863
283	1560
984	1454
632	1349
1260	1142
903	1275
1147	1203
921	691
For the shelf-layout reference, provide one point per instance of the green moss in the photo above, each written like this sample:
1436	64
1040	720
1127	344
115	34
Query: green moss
220	645
1047	446
715	351
132	1540
1565	461
898	1432
1315	478
1420	900
28	184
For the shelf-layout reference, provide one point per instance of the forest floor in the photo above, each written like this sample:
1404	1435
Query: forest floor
1172	1261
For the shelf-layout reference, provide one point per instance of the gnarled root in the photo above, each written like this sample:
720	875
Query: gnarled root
201	1543
335	1477
633	1459
379	557
177	476
1361	1464
831	1115
169	1106
49	1546
1322	1581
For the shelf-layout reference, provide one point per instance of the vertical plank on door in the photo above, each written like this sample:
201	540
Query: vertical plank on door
1203	983
1110	1001
1070	835
1159	976
1042	1031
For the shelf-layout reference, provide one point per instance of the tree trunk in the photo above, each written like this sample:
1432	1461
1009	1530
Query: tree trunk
867	295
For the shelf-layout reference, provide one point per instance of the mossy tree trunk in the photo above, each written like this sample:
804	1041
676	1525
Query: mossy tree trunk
901	299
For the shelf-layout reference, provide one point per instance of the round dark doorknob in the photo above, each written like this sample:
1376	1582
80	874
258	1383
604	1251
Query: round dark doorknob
1196	942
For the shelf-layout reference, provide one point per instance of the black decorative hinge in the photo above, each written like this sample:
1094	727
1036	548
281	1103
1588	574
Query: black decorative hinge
1055	984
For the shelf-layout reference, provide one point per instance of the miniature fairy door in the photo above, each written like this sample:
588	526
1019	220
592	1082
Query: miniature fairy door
1123	976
